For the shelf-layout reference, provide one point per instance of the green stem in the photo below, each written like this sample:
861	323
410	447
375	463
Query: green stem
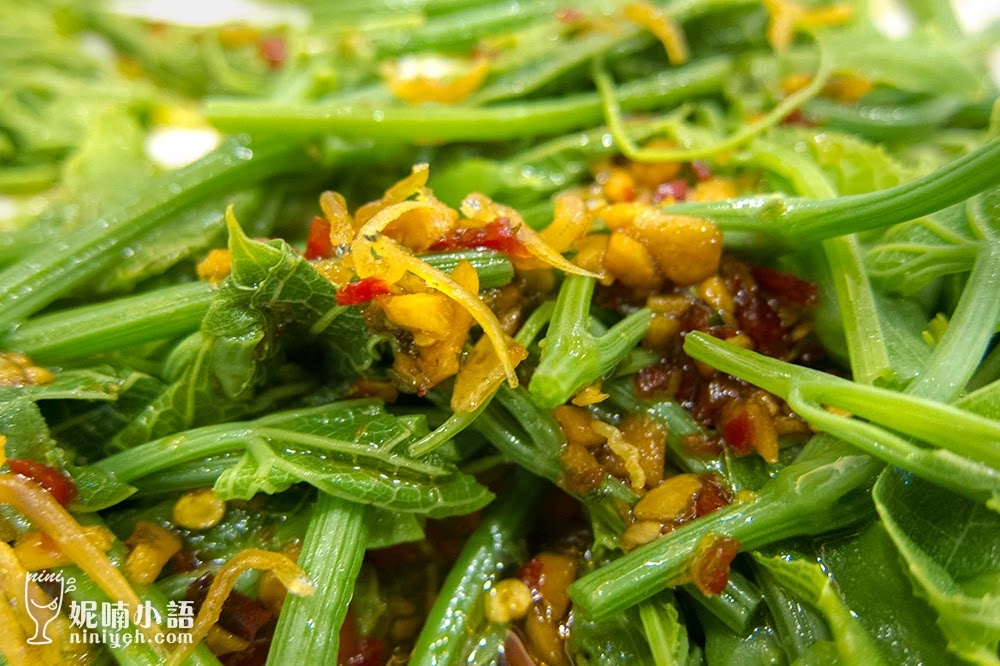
967	439
958	353
494	269
488	553
438	123
799	220
736	606
862	325
572	356
114	325
185	447
48	273
613	116
308	628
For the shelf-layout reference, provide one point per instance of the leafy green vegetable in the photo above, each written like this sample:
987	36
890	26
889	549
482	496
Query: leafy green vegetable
809	582
323	446
949	545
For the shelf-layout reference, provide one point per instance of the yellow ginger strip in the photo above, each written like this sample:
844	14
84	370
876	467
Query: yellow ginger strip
627	452
788	17
334	209
13	641
46	514
292	577
377	256
481	208
481	375
15	591
399	192
571	221
663	27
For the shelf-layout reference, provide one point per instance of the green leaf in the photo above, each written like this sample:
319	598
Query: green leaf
665	631
617	639
951	547
357	453
273	299
866	567
914	64
808	581
390	528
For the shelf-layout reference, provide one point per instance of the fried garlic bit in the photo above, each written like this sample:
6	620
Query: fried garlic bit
648	246
437	309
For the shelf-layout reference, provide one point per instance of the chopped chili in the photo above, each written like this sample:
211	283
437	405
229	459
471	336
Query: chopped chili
711	562
363	291
62	489
319	245
497	235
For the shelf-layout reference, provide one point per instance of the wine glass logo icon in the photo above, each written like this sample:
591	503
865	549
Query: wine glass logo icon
43	614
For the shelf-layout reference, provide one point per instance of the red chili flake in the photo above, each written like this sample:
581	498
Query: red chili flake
713	495
62	489
710	566
674	189
318	245
569	15
531	573
363	291
737	428
759	320
701	170
497	235
785	286
798	118
273	50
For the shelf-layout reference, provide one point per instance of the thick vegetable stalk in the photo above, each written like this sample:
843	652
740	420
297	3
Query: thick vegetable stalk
486	555
170	312
334	546
437	123
798	220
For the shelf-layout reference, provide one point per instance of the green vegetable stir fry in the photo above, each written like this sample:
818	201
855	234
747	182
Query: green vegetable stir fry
613	332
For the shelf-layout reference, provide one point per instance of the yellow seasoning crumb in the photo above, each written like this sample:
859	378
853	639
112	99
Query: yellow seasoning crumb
508	601
199	509
590	395
18	370
215	267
